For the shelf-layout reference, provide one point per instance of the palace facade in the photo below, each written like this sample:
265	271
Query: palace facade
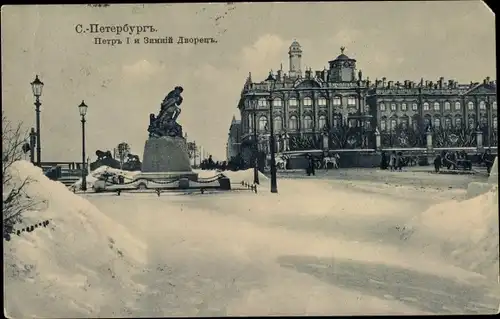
338	108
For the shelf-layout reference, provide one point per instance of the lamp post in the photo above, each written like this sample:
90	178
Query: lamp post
272	81
194	154
32	145
37	87
255	146
83	111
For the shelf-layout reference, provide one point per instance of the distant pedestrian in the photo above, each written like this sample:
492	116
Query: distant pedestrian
487	159
399	161
383	161
437	163
310	165
392	161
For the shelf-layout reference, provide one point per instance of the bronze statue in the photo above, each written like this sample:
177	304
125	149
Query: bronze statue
170	105
101	155
133	163
165	124
133	158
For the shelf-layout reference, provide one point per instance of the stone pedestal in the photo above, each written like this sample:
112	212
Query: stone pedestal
166	158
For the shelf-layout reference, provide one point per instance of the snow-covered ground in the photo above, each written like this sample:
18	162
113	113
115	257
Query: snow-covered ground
94	176
75	266
319	247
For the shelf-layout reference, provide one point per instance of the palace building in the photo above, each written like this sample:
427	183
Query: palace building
339	108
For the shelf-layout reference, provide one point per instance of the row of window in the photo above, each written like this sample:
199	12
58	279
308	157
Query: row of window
293	122
351	101
307	123
437	106
448	122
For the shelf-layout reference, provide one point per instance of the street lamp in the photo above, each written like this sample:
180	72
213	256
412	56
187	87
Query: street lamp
255	146
83	111
37	87
272	81
194	154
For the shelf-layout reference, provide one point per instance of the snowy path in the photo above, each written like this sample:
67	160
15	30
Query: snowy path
338	252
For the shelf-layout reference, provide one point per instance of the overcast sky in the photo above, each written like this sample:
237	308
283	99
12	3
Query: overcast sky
123	84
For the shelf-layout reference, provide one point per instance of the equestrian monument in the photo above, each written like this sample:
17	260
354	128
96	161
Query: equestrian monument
165	153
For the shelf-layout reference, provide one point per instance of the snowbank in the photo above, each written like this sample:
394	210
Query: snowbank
94	175
79	266
465	232
493	178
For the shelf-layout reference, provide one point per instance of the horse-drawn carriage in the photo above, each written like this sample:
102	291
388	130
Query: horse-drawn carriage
455	161
320	162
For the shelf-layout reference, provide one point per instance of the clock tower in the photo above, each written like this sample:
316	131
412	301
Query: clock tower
342	69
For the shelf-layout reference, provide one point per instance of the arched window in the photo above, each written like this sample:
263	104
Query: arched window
472	122
458	122
292	102
321	121
426	106
404	107
447	106
414	123
436	106
495	123
484	121
277	102
278	123
447	122
494	105
293	123
337	101
482	105
308	122
427	121
351	101
307	101
262	102
414	107
458	106
336	120
404	122
437	122
262	123
383	124
382	106
470	106
322	101
394	123
393	107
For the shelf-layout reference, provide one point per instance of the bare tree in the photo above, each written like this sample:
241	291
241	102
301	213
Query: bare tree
15	200
123	151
